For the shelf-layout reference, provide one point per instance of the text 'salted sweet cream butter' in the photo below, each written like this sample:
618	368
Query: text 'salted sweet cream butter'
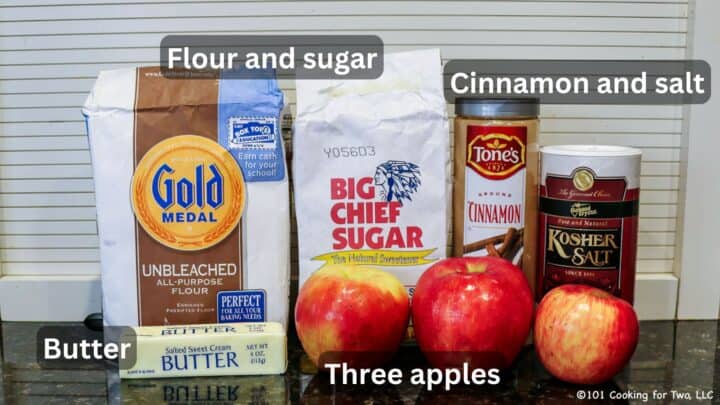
589	200
206	350
192	198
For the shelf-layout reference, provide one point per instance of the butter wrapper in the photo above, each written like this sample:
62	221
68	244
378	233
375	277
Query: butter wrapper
206	350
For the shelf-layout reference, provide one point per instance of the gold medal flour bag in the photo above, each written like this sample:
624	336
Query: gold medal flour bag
371	169
192	198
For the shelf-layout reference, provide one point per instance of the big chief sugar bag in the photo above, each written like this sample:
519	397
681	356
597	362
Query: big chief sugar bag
192	198
371	169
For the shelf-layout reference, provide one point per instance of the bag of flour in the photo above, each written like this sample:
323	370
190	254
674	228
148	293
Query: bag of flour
371	169
192	198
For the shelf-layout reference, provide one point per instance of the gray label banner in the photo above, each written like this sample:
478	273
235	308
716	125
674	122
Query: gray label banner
77	347
256	56
580	81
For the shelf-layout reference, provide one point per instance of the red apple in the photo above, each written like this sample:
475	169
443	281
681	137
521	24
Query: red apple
584	335
473	309
353	314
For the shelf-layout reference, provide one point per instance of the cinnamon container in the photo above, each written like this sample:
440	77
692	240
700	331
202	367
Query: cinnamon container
496	180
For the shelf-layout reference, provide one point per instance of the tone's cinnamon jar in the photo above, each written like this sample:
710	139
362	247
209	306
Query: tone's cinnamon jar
589	201
496	180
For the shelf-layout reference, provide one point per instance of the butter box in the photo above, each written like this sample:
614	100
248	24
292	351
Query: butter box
206	350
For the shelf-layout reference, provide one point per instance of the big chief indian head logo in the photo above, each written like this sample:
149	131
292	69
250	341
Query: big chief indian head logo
397	180
496	156
188	192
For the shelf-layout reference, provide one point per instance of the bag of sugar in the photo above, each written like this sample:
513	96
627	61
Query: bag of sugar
192	198
371	169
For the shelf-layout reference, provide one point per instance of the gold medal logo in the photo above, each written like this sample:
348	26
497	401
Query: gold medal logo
188	192
583	180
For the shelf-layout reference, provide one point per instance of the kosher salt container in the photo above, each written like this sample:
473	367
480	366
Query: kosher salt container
588	222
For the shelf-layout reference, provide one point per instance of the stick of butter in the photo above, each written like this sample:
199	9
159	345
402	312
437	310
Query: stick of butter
206	350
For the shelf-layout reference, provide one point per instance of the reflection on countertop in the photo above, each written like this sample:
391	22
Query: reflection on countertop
672	356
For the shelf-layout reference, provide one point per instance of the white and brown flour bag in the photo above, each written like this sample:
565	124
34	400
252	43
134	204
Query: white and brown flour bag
192	198
371	169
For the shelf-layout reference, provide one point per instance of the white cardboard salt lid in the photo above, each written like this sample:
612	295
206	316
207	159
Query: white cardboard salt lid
590	150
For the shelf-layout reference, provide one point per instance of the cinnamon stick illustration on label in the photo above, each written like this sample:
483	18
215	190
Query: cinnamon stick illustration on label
506	245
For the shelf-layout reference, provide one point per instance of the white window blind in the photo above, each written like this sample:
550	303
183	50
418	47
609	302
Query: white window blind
51	51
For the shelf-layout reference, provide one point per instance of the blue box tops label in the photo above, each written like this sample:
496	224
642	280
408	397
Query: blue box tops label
252	133
241	306
256	144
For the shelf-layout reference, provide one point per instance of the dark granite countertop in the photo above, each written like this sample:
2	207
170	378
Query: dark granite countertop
672	356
